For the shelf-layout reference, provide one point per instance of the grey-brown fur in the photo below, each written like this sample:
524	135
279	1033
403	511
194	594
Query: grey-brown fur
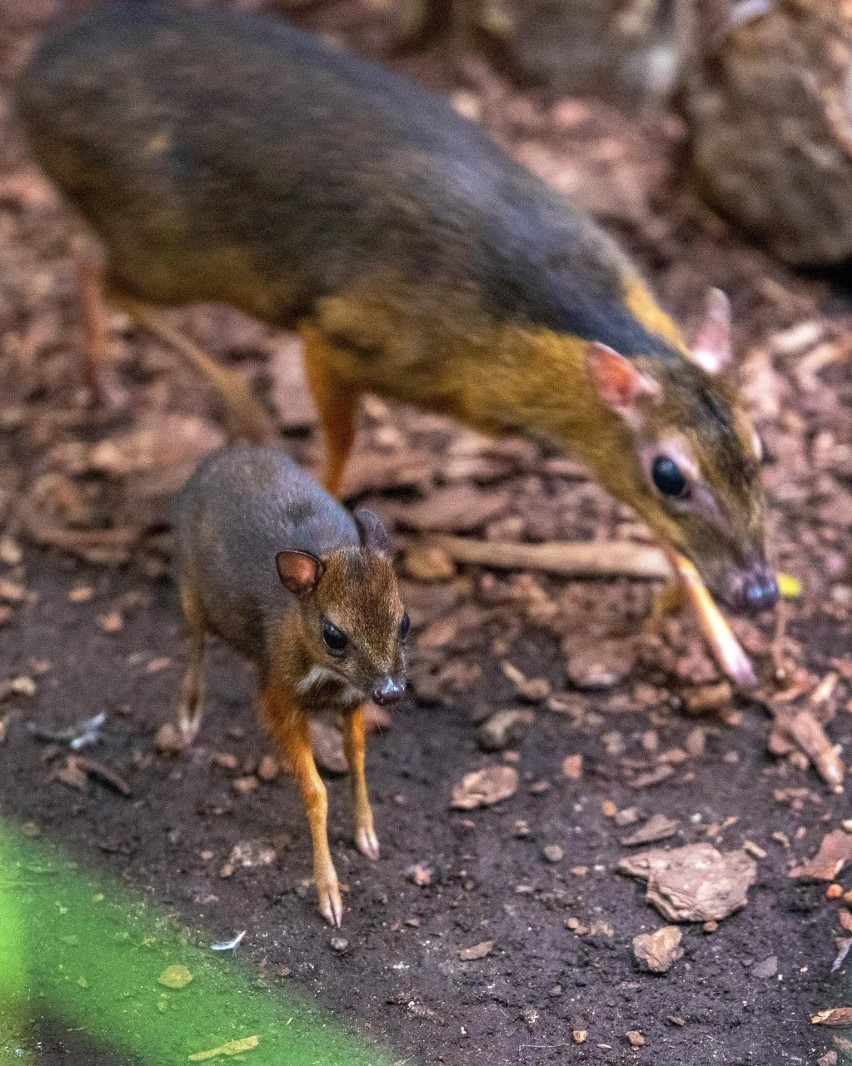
205	146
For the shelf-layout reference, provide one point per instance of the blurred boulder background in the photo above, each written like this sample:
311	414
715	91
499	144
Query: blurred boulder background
764	88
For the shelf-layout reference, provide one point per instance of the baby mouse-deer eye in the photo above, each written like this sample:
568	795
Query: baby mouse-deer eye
404	626
669	479
334	639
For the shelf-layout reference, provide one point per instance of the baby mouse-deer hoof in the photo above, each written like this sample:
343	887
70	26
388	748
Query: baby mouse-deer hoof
330	903
367	842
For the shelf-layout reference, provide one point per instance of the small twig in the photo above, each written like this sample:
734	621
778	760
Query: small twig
95	768
567	559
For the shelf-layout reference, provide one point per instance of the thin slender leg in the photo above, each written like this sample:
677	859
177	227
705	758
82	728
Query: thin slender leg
290	728
191	708
354	744
97	372
245	417
337	405
670	600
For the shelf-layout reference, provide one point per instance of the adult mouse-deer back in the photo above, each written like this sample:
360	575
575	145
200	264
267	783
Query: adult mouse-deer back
223	156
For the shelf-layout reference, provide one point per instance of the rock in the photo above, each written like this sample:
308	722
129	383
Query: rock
553	853
792	192
503	728
572	767
695	883
658	827
420	874
168	740
657	952
339	944
600	666
478	951
483	788
704	698
766	969
428	563
531	689
834	853
635	1038
290	393
268	768
251	854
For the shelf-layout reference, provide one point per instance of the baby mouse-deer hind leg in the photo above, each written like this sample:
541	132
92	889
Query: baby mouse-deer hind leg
337	405
354	744
245	417
191	708
292	733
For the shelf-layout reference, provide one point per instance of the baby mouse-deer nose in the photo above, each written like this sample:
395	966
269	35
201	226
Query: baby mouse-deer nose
388	690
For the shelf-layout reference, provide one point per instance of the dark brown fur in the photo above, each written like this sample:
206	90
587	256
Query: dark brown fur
243	507
221	156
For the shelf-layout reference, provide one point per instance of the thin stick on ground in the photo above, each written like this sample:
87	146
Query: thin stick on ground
565	559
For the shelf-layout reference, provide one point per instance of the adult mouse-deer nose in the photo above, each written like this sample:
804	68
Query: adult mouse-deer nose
759	592
388	690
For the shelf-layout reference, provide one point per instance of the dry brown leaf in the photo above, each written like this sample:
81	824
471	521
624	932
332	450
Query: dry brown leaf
478	951
834	1016
834	853
802	728
695	883
657	952
458	509
483	788
658	827
327	744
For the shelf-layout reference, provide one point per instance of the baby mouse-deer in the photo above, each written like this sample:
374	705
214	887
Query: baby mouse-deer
306	591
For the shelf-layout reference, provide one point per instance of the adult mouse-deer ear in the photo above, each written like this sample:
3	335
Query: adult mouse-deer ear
373	534
618	382
300	572
712	349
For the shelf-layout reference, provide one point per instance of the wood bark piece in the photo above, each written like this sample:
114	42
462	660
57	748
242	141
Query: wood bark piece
806	733
565	559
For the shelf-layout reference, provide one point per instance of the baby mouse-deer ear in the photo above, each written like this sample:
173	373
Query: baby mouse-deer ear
300	572
712	348
373	534
619	382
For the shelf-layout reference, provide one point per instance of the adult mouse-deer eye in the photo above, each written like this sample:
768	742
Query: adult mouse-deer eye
404	626
669	478
334	639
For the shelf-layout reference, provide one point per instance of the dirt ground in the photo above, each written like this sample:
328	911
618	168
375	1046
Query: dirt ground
97	629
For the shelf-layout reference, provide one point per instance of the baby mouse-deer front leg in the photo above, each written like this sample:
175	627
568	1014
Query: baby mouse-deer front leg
290	728
354	744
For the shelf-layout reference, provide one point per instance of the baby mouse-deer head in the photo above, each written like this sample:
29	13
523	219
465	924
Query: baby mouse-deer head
353	624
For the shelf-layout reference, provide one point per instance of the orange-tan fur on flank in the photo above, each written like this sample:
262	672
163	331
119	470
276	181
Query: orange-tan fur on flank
306	592
224	156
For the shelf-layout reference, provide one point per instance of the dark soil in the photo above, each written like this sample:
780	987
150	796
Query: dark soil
118	648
